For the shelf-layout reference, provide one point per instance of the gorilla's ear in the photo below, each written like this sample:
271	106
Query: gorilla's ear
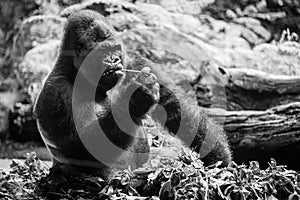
78	50
79	55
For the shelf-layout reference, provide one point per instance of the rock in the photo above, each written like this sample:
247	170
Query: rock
192	7
9	93
221	34
141	16
11	12
261	34
285	57
231	14
273	15
69	2
37	30
124	21
105	7
35	66
33	69
167	39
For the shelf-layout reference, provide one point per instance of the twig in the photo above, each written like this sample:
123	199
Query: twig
130	70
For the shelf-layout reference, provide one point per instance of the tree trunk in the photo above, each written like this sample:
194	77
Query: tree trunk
274	128
245	89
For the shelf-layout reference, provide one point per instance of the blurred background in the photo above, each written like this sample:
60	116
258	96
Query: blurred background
238	59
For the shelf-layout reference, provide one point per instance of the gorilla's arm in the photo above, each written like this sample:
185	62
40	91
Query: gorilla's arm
55	114
118	121
190	123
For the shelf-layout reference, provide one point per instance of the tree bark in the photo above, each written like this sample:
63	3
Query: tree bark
245	89
274	128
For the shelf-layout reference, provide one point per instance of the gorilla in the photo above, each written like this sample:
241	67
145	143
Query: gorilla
68	116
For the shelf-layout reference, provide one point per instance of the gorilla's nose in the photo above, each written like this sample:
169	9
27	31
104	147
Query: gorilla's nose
116	60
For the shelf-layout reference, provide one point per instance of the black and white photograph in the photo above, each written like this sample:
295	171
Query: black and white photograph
149	100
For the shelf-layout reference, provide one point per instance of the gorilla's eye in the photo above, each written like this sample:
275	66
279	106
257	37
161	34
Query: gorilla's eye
101	37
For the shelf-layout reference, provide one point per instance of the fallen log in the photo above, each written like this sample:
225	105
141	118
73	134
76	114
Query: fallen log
244	89
274	128
261	135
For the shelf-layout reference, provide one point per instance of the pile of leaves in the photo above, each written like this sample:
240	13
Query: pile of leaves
19	181
184	179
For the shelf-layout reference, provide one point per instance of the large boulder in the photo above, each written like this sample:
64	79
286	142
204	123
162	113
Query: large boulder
105	7
191	7
37	30
35	66
33	69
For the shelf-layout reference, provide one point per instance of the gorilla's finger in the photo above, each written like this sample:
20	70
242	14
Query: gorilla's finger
148	80
151	79
146	70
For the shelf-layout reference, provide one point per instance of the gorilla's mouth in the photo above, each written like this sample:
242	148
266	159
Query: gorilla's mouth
111	76
113	70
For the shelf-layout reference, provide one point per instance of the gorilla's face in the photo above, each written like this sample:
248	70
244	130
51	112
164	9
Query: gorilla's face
102	66
113	63
99	55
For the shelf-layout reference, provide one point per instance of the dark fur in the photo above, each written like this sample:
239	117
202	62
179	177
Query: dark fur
83	31
196	121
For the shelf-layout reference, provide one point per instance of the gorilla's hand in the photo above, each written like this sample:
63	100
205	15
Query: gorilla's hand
146	94
149	83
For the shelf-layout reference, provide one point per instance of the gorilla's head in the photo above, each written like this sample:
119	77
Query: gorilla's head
92	44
